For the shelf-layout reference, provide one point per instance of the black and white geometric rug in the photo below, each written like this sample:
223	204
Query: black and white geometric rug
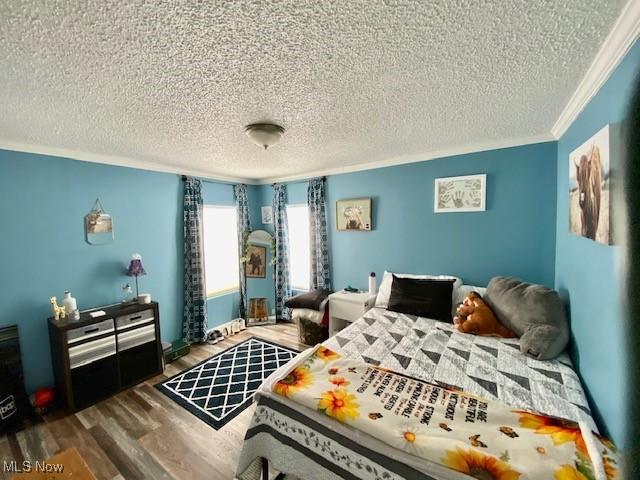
219	388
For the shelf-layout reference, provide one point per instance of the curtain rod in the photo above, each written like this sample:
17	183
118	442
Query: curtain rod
207	180
301	181
184	177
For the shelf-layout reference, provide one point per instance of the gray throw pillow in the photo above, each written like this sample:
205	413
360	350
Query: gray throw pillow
534	312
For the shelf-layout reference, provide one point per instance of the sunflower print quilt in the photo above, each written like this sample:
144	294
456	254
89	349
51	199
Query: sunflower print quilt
481	438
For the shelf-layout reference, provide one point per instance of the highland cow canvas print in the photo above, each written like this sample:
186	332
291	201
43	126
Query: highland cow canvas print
589	188
354	215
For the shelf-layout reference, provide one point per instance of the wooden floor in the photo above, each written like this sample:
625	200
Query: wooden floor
142	434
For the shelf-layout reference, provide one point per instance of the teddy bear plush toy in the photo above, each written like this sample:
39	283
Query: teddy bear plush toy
474	316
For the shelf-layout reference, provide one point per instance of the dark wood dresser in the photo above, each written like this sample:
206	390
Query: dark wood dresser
94	358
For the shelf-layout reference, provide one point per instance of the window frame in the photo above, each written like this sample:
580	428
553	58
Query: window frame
294	287
223	291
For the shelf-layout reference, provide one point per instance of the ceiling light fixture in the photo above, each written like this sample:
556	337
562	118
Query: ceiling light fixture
264	134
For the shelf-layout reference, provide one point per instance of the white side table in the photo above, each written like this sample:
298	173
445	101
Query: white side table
345	308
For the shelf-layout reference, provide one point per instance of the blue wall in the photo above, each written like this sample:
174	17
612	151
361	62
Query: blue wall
259	196
515	236
587	272
44	201
222	308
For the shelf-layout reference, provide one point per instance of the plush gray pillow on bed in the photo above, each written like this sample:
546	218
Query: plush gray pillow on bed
534	312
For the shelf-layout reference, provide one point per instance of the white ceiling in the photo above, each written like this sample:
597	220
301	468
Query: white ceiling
170	85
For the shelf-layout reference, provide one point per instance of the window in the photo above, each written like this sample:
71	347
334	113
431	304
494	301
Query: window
299	258
221	260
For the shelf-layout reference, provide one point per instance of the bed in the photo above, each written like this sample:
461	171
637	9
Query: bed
307	444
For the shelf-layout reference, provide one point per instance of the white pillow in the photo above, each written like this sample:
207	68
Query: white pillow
384	292
463	291
314	316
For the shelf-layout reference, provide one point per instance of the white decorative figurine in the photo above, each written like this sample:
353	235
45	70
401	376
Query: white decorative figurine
58	311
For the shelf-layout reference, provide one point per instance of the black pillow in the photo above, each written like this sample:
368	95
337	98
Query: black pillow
422	297
311	300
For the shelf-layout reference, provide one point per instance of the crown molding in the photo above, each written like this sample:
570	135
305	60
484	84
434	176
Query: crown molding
159	167
616	45
120	162
405	159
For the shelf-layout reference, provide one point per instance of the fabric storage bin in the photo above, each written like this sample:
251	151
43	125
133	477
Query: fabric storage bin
310	333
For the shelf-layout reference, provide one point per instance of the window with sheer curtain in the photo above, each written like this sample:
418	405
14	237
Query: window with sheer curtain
299	259
220	229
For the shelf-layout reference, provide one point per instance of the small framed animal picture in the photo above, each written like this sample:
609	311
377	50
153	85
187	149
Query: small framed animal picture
590	188
267	215
460	194
256	264
353	215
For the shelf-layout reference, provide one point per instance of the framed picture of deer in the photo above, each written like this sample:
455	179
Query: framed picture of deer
460	194
590	188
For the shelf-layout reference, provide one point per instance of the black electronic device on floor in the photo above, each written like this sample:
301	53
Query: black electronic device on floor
14	403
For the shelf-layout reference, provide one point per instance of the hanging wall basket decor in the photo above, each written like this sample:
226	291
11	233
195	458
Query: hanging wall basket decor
98	225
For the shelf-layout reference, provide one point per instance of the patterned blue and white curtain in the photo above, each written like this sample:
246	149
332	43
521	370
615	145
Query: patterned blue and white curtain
194	326
244	227
319	250
283	290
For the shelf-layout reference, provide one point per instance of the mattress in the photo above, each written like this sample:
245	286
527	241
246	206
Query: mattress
489	367
303	442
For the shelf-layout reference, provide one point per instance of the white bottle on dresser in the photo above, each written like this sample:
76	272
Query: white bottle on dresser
70	306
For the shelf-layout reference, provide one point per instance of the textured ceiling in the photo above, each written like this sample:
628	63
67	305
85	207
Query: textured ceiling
172	84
